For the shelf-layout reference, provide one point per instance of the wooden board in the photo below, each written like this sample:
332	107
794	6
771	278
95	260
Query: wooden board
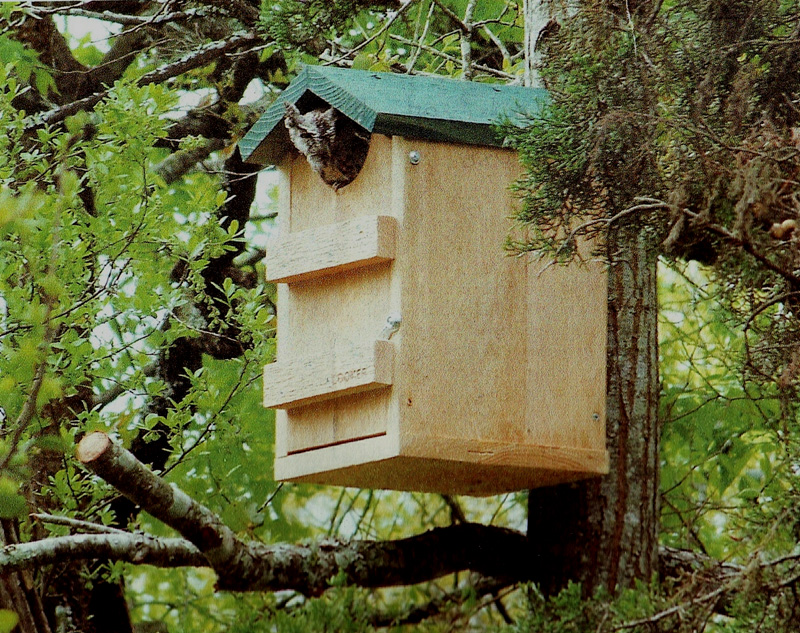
462	362
379	462
331	374
566	368
331	249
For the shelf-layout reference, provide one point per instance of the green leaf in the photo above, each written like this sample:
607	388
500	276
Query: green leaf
12	502
8	621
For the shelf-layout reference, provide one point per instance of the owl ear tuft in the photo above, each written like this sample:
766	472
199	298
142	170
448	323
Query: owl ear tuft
292	112
327	119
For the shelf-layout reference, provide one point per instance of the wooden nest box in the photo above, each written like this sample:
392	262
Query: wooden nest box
495	379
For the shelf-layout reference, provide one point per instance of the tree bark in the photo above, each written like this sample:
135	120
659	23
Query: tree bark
603	532
537	16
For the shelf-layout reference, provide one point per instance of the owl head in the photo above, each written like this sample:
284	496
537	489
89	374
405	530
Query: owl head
312	133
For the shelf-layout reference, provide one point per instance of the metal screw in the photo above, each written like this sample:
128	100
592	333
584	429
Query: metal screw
414	157
595	416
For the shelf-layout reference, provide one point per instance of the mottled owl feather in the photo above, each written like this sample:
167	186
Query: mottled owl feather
335	146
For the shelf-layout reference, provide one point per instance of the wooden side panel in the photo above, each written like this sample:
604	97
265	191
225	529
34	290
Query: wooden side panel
461	369
567	355
303	380
337	422
331	249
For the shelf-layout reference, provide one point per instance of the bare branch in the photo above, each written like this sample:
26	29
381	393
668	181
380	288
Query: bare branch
246	13
86	526
744	244
492	551
107	397
195	59
435	51
351	52
178	164
133	20
226	553
133	548
466	41
479	588
462	26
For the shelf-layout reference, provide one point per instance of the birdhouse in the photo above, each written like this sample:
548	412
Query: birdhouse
413	352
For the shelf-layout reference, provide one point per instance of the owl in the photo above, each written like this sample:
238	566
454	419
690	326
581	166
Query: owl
335	146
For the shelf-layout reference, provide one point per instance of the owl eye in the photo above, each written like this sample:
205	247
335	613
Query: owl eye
305	134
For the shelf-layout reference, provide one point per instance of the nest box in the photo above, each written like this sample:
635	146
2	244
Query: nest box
495	379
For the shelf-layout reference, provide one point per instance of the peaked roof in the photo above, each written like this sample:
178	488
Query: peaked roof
413	106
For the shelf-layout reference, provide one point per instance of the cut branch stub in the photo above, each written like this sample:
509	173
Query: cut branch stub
224	551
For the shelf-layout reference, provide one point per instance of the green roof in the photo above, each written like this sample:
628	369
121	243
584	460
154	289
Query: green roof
413	106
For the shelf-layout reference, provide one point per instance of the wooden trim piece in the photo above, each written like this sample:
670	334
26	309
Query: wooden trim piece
345	455
504	454
379	462
302	381
331	249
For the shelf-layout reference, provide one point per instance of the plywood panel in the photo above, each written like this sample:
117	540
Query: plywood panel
345	309
492	453
347	465
462	372
344	370
331	249
567	355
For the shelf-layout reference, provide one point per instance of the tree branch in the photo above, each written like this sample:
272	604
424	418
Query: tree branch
237	9
456	598
133	20
226	553
196	59
133	548
491	551
744	244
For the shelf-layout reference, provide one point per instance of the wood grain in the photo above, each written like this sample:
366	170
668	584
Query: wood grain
331	249
498	379
330	374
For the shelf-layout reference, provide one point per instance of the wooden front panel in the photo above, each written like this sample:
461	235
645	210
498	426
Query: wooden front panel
332	374
331	307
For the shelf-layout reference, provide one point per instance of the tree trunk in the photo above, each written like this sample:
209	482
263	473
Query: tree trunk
537	16
603	532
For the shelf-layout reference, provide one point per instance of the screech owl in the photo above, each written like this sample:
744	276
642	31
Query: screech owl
335	146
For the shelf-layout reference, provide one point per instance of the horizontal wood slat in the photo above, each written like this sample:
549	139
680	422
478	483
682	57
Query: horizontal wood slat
301	381
331	249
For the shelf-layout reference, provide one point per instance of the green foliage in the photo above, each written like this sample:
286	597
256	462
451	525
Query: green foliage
339	611
638	610
669	119
640	110
677	106
724	471
417	36
8	621
24	62
293	24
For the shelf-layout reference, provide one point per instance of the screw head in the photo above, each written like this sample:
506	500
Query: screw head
414	157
